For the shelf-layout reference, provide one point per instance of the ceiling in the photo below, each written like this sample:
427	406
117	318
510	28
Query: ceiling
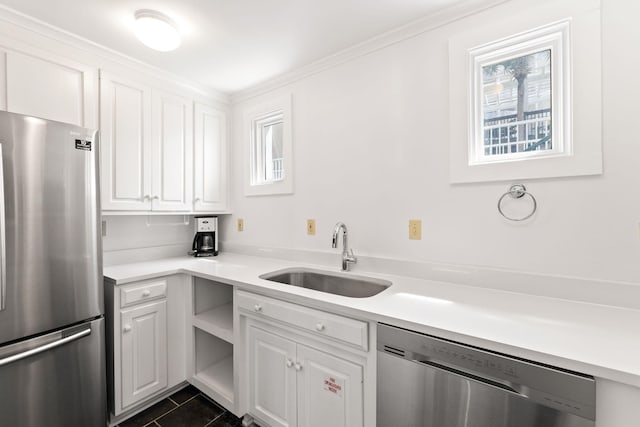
230	45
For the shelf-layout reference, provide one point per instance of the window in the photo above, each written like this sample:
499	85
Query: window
516	107
267	157
525	94
269	160
518	99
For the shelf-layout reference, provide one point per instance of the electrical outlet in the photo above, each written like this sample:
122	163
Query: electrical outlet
240	224
415	229
104	228
311	227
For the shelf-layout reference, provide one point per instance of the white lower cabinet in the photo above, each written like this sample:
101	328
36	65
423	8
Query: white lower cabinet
143	351
272	378
295	385
329	390
145	340
295	376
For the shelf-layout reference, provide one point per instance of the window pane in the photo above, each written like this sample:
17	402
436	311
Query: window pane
516	104
272	149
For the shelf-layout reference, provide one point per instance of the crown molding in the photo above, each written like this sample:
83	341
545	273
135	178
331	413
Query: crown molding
413	29
43	29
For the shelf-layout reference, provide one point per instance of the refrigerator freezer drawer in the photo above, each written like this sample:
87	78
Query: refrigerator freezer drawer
55	380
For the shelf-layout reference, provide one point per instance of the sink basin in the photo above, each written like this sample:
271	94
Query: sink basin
345	284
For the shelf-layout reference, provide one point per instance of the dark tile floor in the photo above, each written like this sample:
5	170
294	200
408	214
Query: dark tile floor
185	408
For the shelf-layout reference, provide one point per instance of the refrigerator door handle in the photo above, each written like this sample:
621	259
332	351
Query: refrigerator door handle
3	250
46	347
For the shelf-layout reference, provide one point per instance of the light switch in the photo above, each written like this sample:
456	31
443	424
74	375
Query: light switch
311	227
415	229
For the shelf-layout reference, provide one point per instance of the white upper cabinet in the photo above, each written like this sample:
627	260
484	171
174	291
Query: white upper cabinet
47	86
210	191
151	159
125	126
172	153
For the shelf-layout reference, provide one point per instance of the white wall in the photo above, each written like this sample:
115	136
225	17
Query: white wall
371	149
140	238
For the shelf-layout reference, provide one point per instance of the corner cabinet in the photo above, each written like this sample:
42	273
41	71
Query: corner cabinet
210	159
304	367
145	340
148	144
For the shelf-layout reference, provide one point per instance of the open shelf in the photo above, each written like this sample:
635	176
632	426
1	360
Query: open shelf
219	377
212	340
213	367
217	321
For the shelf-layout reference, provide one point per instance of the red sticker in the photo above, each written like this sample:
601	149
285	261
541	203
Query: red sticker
333	386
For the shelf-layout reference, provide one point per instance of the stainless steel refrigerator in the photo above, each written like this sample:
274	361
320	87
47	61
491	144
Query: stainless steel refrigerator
52	361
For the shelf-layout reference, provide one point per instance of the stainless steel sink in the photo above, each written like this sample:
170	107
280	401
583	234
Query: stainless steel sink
346	285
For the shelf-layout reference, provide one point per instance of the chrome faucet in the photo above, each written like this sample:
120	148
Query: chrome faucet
347	254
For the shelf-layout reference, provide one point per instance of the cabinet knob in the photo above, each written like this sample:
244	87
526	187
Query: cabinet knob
126	328
289	363
257	307
196	200
145	197
155	198
146	293
298	367
319	327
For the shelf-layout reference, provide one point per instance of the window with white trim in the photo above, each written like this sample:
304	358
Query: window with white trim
518	106
269	159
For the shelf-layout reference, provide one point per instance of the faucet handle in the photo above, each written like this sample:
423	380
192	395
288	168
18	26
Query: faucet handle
351	257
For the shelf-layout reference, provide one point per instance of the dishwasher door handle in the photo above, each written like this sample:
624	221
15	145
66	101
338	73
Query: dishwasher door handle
472	377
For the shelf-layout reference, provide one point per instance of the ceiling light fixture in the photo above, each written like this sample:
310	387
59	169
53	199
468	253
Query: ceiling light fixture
156	30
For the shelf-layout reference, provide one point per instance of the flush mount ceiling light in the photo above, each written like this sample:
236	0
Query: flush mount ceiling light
156	30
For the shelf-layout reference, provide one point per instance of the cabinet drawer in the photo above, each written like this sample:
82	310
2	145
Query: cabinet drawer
337	327
144	291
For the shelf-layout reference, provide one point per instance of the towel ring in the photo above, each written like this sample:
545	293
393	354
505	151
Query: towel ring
517	191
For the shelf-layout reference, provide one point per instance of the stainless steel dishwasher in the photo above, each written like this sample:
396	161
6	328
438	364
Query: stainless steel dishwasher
424	381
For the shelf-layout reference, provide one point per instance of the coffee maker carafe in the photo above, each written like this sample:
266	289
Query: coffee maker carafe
205	242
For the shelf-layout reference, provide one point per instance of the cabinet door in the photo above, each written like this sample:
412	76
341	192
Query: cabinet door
210	183
272	378
44	85
125	140
330	390
172	188
143	351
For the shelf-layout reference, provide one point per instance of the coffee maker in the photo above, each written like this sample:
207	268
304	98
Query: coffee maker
205	242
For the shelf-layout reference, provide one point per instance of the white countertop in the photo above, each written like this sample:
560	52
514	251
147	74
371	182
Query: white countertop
600	340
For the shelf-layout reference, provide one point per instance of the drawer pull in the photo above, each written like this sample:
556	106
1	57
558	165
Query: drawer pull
289	363
298	367
126	328
257	307
319	327
146	293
